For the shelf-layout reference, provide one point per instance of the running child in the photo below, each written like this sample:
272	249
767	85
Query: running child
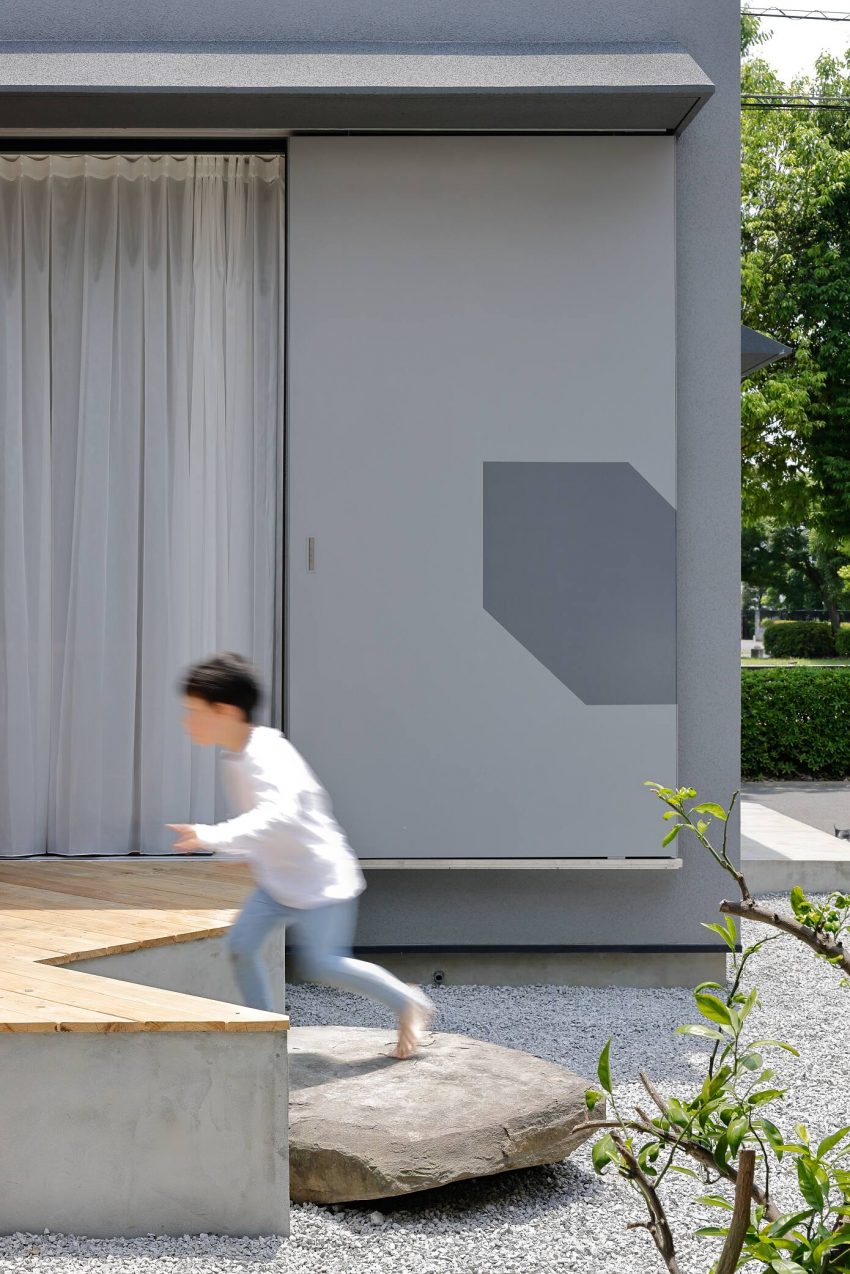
307	877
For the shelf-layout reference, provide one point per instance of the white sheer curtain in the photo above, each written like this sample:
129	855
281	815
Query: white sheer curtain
141	339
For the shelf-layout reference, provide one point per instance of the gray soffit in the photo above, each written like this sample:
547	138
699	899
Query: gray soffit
758	351
283	89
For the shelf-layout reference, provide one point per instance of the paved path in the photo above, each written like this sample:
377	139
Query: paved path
822	805
787	836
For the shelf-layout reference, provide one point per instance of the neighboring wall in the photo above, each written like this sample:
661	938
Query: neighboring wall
563	908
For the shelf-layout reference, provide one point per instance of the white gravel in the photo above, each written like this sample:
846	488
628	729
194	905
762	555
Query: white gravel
555	1219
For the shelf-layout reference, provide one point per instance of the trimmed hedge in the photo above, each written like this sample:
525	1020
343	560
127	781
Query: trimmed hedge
795	723
842	641
799	639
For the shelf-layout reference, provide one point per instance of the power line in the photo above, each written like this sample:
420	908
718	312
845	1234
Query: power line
792	102
810	15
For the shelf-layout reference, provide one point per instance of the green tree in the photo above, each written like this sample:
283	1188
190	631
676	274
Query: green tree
793	563
795	416
751	33
789	174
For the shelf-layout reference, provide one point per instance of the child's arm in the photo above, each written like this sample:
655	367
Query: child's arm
277	807
241	835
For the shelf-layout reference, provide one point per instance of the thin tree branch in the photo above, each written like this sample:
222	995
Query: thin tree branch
728	1262
654	1094
823	946
692	1149
658	1226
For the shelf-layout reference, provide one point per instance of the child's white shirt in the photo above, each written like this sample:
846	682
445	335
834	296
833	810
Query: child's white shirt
298	851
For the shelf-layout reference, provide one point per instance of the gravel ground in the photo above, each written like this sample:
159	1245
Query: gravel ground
555	1219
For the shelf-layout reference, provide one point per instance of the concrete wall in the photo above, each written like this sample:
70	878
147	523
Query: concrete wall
171	1133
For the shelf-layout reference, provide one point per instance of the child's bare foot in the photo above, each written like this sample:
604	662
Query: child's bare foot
412	1024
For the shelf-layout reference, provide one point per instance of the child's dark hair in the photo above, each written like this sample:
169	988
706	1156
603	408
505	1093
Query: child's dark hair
224	678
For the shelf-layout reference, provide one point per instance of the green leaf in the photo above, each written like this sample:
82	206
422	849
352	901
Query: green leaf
736	1132
788	1222
765	1095
704	1031
713	1008
783	1266
799	902
752	1061
749	1004
711	1232
592	1098
810	1187
716	1201
676	1111
729	939
830	1142
774	1044
721	1153
603	1070
841	1238
708	807
773	1135
672	834
602	1152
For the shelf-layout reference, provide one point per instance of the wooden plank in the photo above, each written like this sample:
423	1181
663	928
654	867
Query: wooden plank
28	903
91	990
147	1008
67	1017
133	887
53	912
59	928
24	904
67	945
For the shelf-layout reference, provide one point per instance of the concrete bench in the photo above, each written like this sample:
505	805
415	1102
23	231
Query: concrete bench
134	1098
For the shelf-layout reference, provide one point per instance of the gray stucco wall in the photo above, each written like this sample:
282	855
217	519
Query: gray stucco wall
488	21
524	908
481	437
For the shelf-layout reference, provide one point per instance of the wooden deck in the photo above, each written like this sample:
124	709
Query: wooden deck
56	911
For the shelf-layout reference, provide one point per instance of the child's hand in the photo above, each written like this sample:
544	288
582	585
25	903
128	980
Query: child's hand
187	840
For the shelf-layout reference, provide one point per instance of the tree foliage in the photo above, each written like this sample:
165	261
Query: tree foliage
794	567
795	415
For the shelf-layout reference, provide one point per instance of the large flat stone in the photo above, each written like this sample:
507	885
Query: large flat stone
365	1126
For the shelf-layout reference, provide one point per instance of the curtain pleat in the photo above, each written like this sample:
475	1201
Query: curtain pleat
140	438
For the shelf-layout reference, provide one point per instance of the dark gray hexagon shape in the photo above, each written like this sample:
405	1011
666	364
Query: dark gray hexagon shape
580	567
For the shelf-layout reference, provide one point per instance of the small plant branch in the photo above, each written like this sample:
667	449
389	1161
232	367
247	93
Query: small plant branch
822	946
658	1227
765	1161
654	1094
728	1262
692	1149
720	856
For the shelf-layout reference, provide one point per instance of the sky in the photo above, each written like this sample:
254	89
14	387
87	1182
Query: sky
794	45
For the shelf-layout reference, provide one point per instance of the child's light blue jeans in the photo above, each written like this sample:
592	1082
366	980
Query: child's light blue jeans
322	938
